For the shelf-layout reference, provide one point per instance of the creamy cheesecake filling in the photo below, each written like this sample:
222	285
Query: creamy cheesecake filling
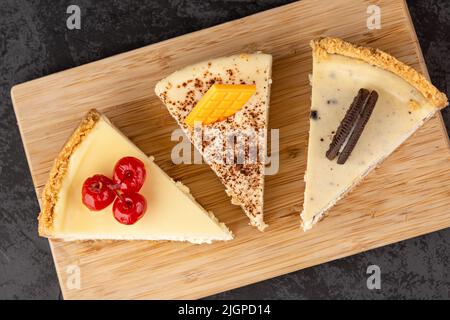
400	110
172	213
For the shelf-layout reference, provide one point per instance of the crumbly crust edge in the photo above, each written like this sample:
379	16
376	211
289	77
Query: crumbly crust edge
58	172
324	46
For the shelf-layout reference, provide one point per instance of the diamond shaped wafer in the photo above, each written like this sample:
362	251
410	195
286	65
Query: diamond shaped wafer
220	102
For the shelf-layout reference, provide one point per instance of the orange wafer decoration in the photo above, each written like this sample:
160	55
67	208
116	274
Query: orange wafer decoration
220	102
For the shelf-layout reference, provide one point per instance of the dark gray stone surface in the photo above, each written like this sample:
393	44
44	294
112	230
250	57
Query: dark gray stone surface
34	41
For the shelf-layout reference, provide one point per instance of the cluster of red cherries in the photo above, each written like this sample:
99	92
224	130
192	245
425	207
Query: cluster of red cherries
129	206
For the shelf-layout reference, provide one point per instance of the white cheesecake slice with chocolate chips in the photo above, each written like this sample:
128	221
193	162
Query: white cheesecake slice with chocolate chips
365	103
221	80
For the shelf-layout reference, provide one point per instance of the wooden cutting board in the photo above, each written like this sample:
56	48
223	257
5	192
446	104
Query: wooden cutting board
405	197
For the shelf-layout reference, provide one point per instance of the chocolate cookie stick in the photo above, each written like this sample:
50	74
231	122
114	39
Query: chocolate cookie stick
359	127
346	125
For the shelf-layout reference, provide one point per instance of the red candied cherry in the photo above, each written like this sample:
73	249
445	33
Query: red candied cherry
129	174
129	208
97	193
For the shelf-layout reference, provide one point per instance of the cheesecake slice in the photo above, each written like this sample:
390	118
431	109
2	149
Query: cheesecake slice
350	135
182	91
94	148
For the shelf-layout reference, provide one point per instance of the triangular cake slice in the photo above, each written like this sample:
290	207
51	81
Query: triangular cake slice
94	148
337	158
181	91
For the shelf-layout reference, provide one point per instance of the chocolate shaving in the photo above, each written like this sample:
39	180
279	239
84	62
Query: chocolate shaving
359	127
347	123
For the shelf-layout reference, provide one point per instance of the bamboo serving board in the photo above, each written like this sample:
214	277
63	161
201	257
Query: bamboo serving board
405	197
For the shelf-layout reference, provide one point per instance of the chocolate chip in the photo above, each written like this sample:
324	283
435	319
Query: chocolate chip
313	114
332	101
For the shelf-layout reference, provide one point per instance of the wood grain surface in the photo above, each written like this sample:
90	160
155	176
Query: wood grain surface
405	197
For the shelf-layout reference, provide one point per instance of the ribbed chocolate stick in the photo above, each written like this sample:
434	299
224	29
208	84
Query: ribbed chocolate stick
359	127
347	123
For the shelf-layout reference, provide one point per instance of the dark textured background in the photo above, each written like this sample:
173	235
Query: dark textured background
34	42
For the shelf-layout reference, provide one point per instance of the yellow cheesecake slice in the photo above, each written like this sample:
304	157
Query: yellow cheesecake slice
183	90
405	101
94	148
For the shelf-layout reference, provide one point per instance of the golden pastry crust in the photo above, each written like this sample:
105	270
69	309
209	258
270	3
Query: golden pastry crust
59	170
323	47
